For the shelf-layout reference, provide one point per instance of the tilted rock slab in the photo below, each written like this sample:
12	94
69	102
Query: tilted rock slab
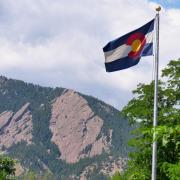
15	127
76	128
5	118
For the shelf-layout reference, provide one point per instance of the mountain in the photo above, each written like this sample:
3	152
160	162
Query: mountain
72	135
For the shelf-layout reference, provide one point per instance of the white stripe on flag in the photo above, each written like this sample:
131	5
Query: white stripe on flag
119	52
123	50
149	37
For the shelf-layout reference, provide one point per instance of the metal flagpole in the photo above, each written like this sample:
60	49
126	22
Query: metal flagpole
156	57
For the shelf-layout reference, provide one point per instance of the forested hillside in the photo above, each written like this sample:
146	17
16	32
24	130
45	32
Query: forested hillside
23	105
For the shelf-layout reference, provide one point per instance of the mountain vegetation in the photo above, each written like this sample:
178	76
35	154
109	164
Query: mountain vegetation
7	167
42	155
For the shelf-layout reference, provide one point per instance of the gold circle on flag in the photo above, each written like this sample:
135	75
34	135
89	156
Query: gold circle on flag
136	45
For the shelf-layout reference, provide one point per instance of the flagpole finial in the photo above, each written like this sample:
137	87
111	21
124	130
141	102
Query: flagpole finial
158	9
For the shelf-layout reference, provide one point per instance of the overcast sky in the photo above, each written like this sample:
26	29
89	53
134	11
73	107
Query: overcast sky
59	43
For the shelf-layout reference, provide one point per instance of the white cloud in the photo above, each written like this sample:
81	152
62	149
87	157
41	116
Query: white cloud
59	43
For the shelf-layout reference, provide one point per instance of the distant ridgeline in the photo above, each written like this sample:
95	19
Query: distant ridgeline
61	131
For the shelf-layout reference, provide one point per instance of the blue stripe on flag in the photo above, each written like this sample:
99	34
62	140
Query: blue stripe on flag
122	40
120	64
147	50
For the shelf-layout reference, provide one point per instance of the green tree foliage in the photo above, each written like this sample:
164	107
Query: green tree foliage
139	111
7	168
33	176
116	176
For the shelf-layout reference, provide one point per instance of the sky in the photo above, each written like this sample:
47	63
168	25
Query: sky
59	43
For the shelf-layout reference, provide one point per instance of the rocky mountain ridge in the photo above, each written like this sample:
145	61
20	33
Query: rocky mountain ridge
75	128
72	135
15	127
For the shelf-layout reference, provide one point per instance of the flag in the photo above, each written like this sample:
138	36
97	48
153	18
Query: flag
127	50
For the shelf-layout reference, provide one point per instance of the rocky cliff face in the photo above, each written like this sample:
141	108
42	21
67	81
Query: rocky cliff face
61	131
15	127
75	128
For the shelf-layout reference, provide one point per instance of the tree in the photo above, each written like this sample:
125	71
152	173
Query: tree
7	167
139	111
116	176
34	176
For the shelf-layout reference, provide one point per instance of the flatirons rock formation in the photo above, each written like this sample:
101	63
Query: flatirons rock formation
71	135
76	128
15	127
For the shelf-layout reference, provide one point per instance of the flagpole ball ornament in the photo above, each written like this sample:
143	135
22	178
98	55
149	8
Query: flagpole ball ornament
158	8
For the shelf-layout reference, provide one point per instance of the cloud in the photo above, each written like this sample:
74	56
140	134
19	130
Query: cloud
59	43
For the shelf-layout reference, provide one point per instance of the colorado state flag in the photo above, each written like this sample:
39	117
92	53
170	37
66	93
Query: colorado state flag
127	50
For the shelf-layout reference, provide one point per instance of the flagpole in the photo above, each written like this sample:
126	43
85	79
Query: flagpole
156	57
